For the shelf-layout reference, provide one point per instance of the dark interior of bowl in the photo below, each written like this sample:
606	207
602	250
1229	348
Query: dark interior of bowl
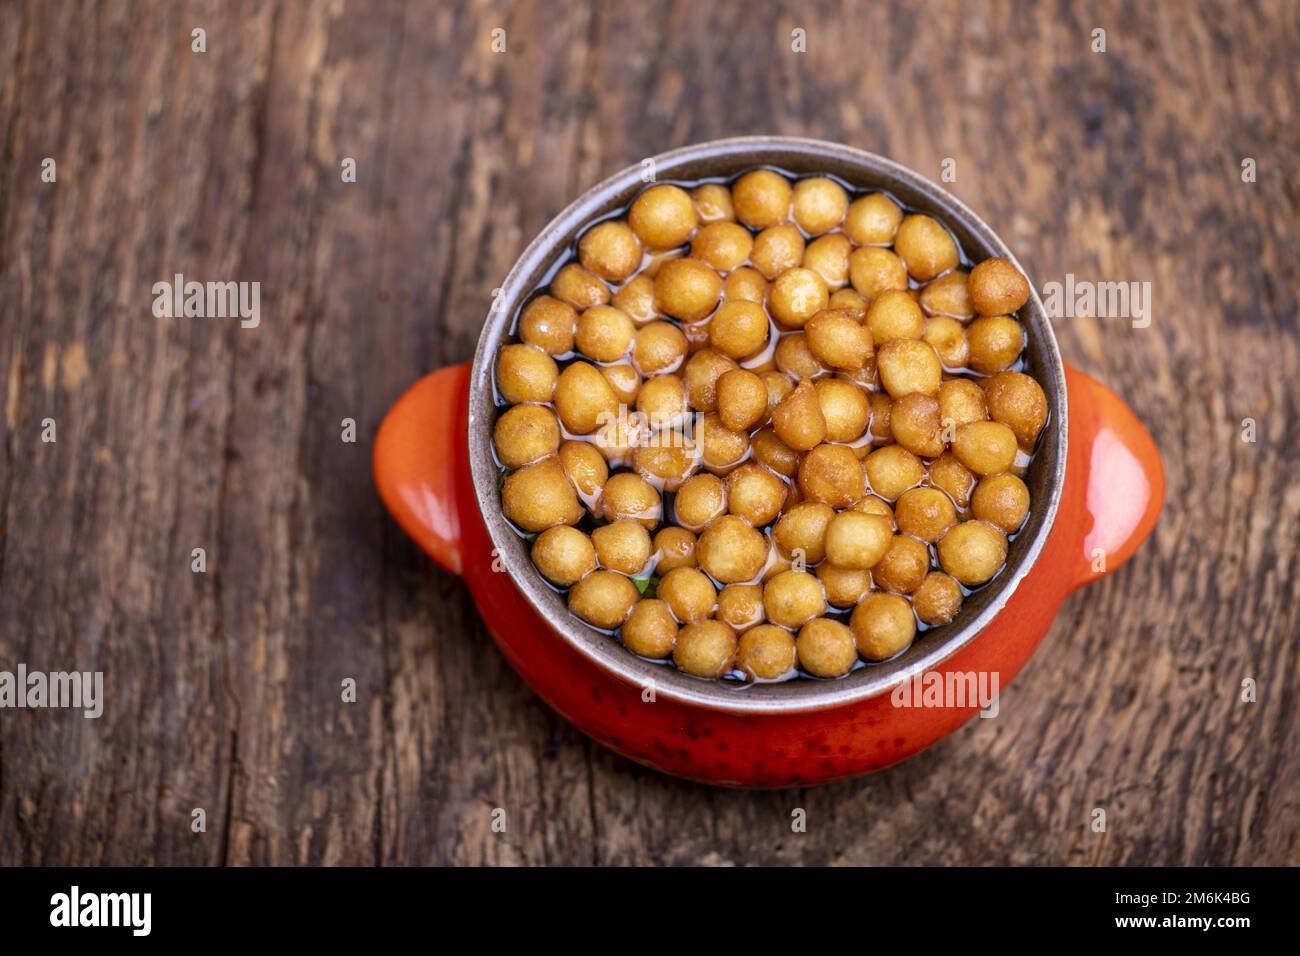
726	158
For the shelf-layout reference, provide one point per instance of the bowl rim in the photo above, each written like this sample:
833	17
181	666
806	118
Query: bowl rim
603	650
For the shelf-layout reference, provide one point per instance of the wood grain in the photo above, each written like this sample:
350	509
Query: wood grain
224	688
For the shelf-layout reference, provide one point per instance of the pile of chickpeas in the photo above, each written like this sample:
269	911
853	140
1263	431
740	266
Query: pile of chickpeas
768	428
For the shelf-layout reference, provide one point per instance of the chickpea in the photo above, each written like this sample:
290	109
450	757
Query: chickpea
713	202
798	419
723	246
525	374
731	551
1002	501
610	250
777	250
796	296
578	287
997	287
872	220
689	592
769	450
904	565
687	289
539	496
952	478
794	357
720	446
740	606
845	407
883	626
705	649
845	587
837	339
948	296
525	433
915	423
624	380
894	315
604	333
662	400
819	204
584	399
882	407
738	329
801	531
972	552
926	246
826	648
650	630
628	495
701	374
745	284
938	599
925	513
623	546
857	541
761	198
1017	401
585	467
766	653
659	347
665	462
873	270
986	448
755	494
831	474
618	438
873	505
995	343
948	338
564	555
742	399
603	599
663	217
961	402
793	598
548	324
636	299
828	256
700	499
908	365
892	470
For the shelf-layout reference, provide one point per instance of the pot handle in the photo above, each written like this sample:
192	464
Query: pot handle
1124	480
418	456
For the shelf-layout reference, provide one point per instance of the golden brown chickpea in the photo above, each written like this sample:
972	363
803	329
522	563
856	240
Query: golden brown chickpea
584	399
908	365
798	419
624	380
610	250
873	505
948	338
662	400
663	217
761	198
849	299
845	587
745	284
828	256
755	494
986	448
775	454
525	374
926	246
777	250
712	202
674	547
972	552
845	408
831	474
961	401
948	296
915	423
995	343
700	499
723	246
882	626
604	333
892	470
659	347
952	478
766	653
793	598
938	599
796	296
525	433
730	551
857	541
603	599
720	447
539	496
636	299
618	438
1002	501
689	592
742	399
925	513
997	287
826	648
549	324
882	407
687	289
738	329
872	220
701	374
650	629
665	462
628	495
705	649
795	358
893	314
622	546
837	339
801	531
578	287
819	204
564	555
585	467
873	270
740	606
1017	401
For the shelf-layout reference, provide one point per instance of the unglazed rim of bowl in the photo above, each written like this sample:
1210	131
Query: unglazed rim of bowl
726	158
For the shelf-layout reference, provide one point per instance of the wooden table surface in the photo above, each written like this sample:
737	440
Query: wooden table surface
223	688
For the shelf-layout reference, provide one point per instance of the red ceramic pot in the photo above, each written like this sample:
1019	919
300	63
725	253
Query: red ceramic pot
1096	481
